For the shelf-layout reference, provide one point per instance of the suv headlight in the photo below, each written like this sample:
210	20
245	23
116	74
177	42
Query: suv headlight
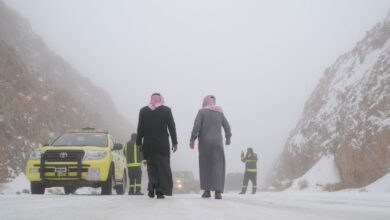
94	155
35	155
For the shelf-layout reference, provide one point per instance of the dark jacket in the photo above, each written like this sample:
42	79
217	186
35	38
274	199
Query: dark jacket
152	131
250	161
133	155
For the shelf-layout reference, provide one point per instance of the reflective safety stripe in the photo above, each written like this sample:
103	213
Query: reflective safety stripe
135	153
133	164
250	160
251	170
135	184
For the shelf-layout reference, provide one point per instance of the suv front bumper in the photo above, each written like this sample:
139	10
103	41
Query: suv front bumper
91	170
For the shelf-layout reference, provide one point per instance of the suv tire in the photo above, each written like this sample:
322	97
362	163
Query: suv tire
69	190
109	183
37	188
121	188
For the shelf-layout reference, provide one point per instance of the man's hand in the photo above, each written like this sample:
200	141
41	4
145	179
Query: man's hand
140	148
192	145
227	142
174	148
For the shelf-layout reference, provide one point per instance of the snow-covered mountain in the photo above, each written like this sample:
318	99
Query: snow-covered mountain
346	119
42	96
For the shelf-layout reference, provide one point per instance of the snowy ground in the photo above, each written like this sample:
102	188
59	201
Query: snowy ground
267	206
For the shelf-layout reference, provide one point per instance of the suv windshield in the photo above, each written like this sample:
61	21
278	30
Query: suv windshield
77	139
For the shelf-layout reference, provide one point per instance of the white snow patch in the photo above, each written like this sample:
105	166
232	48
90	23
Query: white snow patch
381	185
382	122
324	172
17	185
52	135
1	118
45	98
298	139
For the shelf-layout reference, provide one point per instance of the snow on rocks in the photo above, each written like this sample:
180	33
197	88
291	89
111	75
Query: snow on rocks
18	185
381	185
323	173
45	98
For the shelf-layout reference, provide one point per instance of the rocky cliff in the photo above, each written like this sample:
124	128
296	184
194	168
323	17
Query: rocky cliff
347	116
42	96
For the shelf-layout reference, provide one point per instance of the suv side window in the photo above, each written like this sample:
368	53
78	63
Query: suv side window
112	141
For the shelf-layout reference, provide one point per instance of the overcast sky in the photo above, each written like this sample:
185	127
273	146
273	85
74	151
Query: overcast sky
261	59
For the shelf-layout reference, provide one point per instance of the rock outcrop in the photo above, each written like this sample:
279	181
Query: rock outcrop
42	96
348	116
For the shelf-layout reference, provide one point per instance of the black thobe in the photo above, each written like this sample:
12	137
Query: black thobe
152	134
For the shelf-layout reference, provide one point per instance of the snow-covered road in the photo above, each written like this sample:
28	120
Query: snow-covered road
267	206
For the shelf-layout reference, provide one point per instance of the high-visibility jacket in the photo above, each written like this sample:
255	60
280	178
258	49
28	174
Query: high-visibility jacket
250	161
133	155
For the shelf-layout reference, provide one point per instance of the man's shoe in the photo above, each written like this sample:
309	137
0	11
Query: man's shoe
151	194
160	195
206	194
241	193
131	192
217	195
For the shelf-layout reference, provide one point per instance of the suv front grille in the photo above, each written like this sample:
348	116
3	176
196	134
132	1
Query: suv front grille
63	155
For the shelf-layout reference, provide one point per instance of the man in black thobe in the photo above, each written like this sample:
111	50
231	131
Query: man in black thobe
155	120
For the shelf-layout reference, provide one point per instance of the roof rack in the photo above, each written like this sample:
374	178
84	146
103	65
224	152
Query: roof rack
88	129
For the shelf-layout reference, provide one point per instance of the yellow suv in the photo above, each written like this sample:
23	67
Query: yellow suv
80	158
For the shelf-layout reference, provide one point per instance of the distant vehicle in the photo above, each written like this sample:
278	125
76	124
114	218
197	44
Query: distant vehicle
234	181
80	158
184	182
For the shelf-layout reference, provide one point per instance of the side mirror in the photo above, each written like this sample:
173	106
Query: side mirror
117	146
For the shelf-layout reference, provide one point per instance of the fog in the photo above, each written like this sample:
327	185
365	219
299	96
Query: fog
261	59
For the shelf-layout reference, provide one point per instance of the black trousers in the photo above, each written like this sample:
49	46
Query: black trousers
135	177
159	173
252	176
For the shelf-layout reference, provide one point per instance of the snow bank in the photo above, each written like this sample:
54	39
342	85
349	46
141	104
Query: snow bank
324	172
381	185
19	185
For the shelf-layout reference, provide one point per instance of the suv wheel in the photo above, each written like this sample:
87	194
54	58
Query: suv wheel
37	188
121	188
109	183
69	190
